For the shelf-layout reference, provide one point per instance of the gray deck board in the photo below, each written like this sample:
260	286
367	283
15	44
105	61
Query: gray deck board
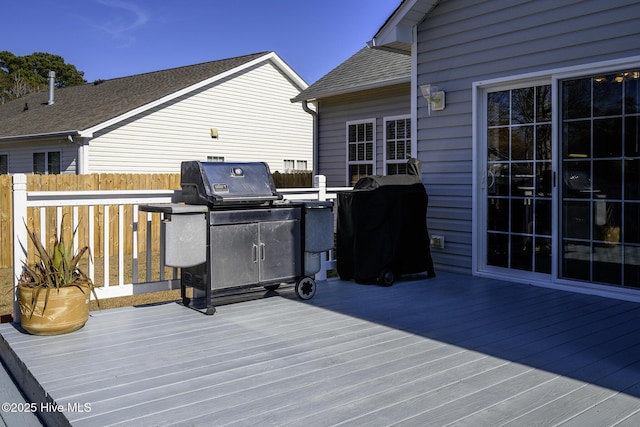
10	393
454	350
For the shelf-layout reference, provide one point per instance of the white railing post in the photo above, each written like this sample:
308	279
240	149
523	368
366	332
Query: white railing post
121	245
320	182
149	246
134	246
20	237
92	239
105	248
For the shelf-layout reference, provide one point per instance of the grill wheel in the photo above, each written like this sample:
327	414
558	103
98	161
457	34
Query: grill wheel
306	288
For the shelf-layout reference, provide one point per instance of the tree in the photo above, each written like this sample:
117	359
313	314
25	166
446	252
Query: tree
21	75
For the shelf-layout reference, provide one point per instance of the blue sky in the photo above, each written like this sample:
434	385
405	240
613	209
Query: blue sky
115	38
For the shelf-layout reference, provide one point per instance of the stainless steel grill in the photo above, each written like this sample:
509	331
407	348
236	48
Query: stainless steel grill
235	231
218	184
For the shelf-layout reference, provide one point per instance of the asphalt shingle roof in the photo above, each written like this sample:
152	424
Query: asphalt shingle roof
84	106
367	68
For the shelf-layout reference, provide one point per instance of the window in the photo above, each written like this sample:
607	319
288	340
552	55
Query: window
360	149
4	164
46	163
295	165
397	145
39	163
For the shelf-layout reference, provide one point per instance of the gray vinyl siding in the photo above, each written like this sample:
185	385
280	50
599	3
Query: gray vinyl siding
21	154
466	41
335	112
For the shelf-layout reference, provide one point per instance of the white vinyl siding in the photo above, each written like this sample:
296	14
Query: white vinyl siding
252	112
467	41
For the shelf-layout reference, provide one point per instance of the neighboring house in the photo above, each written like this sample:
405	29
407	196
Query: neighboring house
363	116
533	166
235	109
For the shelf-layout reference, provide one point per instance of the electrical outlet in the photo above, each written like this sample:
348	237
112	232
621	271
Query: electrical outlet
437	242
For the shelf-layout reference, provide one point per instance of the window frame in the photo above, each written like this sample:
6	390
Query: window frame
47	162
6	157
386	162
373	143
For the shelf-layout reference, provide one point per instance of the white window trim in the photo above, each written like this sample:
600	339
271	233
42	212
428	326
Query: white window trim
384	138
552	76
288	164
346	143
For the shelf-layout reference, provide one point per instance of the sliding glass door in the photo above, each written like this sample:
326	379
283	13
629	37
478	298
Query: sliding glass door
518	181
601	179
582	183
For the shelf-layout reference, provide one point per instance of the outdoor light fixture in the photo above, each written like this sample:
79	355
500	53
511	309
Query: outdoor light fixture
434	97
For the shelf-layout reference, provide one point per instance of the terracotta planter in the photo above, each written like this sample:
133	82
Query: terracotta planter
67	310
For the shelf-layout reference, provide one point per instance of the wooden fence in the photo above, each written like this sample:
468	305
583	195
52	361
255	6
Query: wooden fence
92	182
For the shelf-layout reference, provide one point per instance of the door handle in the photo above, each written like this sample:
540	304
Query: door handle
254	251
262	252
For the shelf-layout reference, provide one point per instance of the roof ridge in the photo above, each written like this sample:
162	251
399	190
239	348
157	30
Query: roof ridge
365	69
256	55
87	105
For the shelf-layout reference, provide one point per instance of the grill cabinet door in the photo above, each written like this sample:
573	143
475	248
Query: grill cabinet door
234	255
280	250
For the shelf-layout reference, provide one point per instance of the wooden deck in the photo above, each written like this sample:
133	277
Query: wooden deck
454	350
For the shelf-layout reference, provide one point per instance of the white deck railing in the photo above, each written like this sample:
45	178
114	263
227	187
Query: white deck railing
23	199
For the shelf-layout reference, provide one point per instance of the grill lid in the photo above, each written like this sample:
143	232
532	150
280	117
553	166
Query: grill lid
227	183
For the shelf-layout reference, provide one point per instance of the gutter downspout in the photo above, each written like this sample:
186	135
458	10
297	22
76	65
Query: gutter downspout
82	157
314	114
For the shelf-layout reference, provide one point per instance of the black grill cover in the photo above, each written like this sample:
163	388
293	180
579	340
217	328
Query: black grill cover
382	225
